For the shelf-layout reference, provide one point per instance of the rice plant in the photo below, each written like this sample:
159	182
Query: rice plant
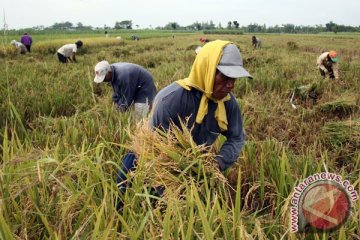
62	143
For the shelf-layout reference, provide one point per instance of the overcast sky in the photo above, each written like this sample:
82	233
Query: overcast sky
146	13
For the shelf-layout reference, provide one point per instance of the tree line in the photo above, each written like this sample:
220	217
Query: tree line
209	25
257	28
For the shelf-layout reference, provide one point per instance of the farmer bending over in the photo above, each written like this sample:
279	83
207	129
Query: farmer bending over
20	48
327	64
67	52
131	83
255	42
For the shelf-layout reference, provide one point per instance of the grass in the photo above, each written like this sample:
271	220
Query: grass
62	142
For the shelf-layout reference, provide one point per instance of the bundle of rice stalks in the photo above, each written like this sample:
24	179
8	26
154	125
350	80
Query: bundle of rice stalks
172	160
341	108
304	93
338	134
343	138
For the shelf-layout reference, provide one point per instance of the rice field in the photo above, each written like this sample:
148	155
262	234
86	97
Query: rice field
62	142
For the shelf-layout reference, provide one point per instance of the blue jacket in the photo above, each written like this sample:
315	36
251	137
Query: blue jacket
131	83
174	102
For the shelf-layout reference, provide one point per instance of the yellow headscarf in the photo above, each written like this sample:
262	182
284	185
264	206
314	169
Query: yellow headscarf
202	78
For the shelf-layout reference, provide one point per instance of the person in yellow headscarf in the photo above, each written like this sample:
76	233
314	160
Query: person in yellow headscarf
205	100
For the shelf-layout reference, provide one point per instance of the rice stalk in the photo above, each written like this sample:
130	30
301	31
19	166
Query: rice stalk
170	160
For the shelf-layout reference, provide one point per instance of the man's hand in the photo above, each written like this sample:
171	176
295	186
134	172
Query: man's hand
324	69
120	108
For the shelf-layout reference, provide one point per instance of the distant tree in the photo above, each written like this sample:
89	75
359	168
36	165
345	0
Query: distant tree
198	26
274	29
236	24
219	25
195	26
63	25
79	25
125	24
329	26
211	25
253	27
201	26
117	25
289	28
172	26
333	27
39	27
229	25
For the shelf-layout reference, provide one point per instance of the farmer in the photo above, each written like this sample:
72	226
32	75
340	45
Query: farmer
131	83
19	46
135	37
205	99
255	42
67	52
327	64
205	102
204	40
27	41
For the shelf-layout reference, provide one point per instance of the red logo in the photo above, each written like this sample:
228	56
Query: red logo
325	206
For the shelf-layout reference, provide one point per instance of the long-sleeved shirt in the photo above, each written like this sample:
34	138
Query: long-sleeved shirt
131	83
323	61
174	102
26	40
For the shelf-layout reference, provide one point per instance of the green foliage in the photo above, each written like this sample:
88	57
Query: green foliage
172	26
63	25
125	24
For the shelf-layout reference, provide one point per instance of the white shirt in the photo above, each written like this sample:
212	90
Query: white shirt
17	44
68	50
